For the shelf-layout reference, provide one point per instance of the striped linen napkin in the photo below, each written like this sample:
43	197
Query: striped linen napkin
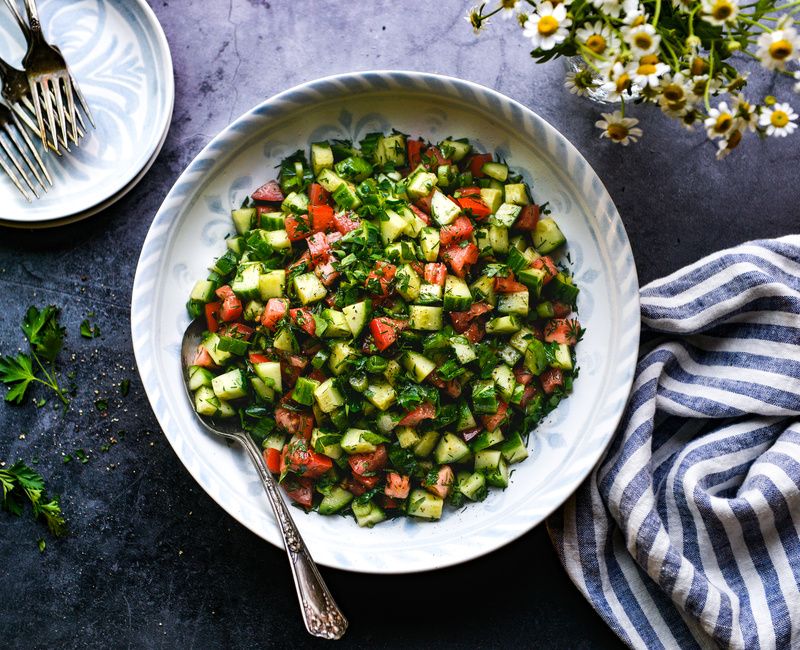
686	533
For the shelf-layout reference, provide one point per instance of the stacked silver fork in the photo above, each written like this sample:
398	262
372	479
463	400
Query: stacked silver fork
46	88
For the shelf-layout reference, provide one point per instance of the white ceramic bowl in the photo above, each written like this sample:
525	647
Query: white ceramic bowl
188	232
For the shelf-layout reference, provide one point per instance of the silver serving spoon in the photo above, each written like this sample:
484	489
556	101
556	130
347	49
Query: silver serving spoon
320	613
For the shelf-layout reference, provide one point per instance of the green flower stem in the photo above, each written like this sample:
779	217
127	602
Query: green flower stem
707	92
657	13
748	21
790	5
51	381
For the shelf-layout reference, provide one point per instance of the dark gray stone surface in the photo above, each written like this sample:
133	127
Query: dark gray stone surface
152	561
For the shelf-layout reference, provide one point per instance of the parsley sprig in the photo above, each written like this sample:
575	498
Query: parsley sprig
46	337
19	483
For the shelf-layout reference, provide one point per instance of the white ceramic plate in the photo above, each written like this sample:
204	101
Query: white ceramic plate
188	232
121	58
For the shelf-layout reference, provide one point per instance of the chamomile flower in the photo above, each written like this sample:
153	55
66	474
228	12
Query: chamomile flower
683	5
648	70
779	120
720	121
698	83
619	81
634	12
509	8
745	114
475	18
548	26
720	12
674	98
619	129
598	38
642	39
725	146
611	8
776	49
580	82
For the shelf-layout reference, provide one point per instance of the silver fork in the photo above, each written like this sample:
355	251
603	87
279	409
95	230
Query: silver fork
16	144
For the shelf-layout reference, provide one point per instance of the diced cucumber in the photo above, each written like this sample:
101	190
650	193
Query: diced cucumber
391	149
285	340
278	239
337	499
225	410
483	289
443	210
309	288
503	324
401	251
498	239
367	514
295	202
353	168
262	390
424	505
547	236
203	291
337	324
457	296
490	463
408	283
407	437
516	193
513	303
561	288
533	279
514	449
484	397
418	365
516	259
346	197
492	197
199	376
327	443
429	243
381	394
274	440
329	180
521	340
392	226
420	183
392	372
562	356
446	174
504	379
358	441
237	245
253	310
451	449
234	345
455	150
340	354
225	263
231	385
426	444
245	284
465	418
472	485
304	390
509	355
328	397
273	221
536	357
486	439
430	294
414	224
463	349
211	344
270	373
272	284
545	309
357	315
206	402
321	157
386	422
422	317
495	170
506	215
243	219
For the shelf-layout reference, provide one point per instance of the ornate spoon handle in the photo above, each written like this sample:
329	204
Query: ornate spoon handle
320	612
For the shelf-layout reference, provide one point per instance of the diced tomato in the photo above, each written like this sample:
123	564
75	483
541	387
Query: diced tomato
321	217
368	482
508	284
562	330
419	267
425	411
551	379
333	236
492	422
414	148
264	209
303	260
269	191
528	394
203	358
476	206
300	490
435	273
397	485
211	316
370	462
318	195
304	461
386	330
545	262
388	503
344	224
476	163
435	154
379	278
297	423
272	457
255	357
561	309
326	273
274	311
291	368
317	375
523	375
469	434
459	230
528	218
422	215
475	332
424	203
318	247
353	487
461	258
237	330
443	484
231	308
452	387
298	226
462	319
304	319
473	191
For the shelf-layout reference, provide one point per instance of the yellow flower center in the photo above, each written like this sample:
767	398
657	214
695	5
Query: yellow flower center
639	20
643	41
722	10
723	123
780	49
733	140
617	132
646	69
779	118
548	25
698	67
596	43
673	93
623	82
508	4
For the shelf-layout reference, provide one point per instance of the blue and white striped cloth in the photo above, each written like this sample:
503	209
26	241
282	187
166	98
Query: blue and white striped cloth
687	534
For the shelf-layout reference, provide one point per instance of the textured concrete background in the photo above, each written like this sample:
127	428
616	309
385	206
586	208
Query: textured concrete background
152	561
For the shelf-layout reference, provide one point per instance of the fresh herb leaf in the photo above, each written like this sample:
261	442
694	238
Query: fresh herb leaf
17	373
101	405
124	387
20	482
89	331
43	332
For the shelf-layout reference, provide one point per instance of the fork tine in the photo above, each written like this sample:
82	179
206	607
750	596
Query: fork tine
77	90
62	118
71	106
10	173
37	108
48	106
35	153
28	118
15	161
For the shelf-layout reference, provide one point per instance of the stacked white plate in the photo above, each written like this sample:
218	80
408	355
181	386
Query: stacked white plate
118	53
